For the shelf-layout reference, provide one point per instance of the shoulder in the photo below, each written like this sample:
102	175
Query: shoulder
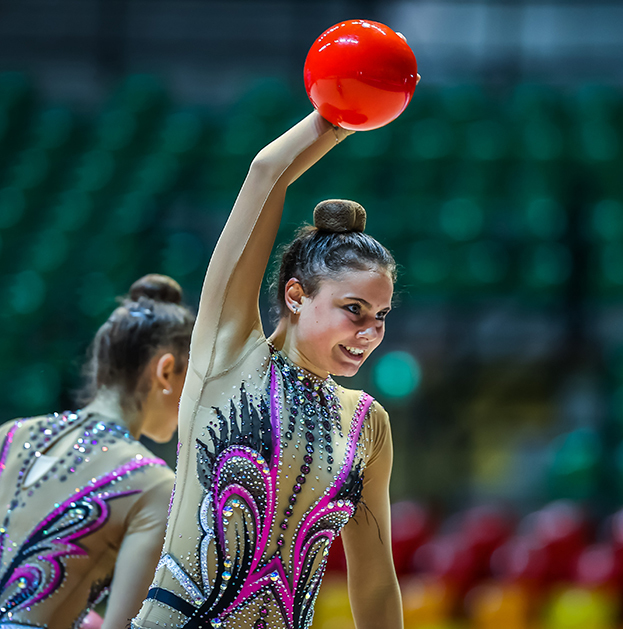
121	456
150	507
350	399
376	428
379	417
24	425
156	481
152	482
138	458
348	396
7	426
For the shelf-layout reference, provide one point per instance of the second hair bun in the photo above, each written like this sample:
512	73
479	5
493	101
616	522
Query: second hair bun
339	215
157	287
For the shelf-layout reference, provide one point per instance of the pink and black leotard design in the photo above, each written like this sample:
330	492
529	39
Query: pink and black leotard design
60	527
252	553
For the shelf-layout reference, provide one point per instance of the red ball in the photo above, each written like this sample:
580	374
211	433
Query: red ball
360	74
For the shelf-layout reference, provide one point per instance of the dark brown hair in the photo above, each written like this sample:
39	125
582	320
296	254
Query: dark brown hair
335	244
149	318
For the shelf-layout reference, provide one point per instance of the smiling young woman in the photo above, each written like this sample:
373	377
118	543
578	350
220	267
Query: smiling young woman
275	458
334	291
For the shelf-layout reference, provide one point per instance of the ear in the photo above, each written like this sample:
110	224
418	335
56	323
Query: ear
294	295
165	367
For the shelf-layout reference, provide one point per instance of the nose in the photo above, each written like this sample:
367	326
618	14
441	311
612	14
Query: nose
368	333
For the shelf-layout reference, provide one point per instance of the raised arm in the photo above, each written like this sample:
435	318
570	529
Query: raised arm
372	583
228	311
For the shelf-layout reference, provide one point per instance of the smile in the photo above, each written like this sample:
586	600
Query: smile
355	351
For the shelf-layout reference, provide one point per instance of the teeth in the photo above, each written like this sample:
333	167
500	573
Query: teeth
354	350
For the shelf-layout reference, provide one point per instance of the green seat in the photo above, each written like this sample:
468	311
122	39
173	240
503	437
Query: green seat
74	210
464	102
539	122
607	269
16	110
133	212
47	251
13	206
182	131
545	267
31	169
606	221
157	173
543	218
95	170
482	266
35	388
116	129
53	128
141	94
485	140
95	295
431	138
461	219
184	253
26	292
430	265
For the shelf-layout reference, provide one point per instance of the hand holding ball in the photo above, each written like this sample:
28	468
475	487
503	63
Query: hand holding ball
360	75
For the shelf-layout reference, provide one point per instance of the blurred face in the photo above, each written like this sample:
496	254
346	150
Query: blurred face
161	409
343	323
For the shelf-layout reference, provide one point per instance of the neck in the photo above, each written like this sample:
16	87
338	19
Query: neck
284	339
108	402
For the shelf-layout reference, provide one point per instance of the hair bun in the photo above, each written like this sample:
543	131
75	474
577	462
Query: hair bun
157	287
339	215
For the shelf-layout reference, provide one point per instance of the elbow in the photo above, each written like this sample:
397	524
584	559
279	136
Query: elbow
265	166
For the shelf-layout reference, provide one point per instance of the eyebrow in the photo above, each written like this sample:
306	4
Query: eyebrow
365	303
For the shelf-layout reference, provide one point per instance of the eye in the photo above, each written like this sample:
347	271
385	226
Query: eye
354	308
382	315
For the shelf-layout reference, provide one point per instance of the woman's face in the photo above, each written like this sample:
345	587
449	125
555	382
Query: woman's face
343	323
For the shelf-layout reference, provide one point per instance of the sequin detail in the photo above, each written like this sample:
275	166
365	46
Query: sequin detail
245	561
34	569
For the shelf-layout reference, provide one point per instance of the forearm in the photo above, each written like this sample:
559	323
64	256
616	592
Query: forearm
376	603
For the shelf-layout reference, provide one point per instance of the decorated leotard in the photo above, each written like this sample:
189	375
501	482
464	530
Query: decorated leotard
273	461
83	507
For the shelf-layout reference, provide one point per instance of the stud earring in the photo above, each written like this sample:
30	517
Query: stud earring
166	391
295	309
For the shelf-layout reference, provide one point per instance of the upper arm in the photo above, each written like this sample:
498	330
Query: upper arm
371	526
228	310
372	583
138	556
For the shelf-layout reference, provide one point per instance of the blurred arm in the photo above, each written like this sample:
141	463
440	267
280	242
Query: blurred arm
138	556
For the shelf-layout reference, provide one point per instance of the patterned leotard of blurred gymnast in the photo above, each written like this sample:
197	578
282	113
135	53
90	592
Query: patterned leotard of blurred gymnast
79	496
